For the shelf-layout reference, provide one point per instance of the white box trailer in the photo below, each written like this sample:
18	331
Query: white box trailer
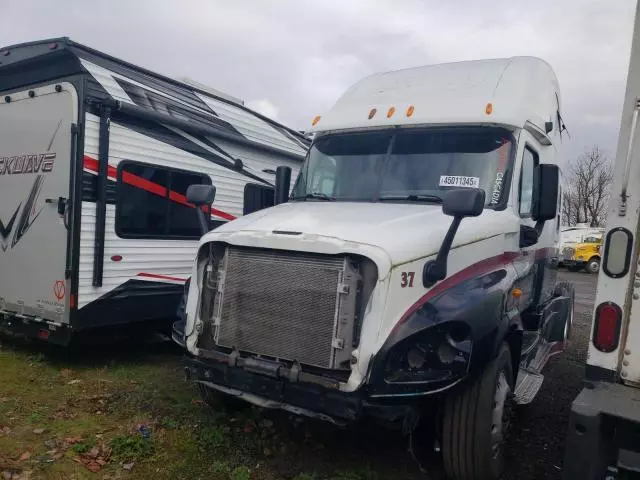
604	426
96	155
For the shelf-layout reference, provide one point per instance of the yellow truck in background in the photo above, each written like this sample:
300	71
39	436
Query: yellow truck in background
585	255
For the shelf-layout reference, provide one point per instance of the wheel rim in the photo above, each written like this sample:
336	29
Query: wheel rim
594	266
500	414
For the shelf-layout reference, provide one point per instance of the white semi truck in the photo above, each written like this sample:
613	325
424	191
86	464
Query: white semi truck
604	426
409	275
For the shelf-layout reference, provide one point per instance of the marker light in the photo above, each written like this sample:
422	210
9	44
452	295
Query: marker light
516	293
606	331
315	120
391	111
372	113
410	110
489	108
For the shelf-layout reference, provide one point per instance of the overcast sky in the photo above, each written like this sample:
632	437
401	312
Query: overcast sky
292	59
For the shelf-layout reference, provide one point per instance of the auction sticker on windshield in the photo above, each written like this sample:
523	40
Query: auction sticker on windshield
459	181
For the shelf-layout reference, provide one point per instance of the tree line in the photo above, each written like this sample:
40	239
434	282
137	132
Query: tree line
587	189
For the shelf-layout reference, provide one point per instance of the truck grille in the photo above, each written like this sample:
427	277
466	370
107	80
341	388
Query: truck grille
567	253
280	304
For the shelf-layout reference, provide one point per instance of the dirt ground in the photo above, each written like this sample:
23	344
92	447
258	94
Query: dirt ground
124	413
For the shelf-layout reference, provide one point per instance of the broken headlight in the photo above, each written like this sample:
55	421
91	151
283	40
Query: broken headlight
437	354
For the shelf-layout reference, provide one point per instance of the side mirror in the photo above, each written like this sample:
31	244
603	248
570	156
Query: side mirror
461	203
202	196
464	202
283	184
545	192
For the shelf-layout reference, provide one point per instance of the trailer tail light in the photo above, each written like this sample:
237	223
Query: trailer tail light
616	259
43	334
606	330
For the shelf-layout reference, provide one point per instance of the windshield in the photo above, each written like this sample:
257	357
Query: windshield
415	165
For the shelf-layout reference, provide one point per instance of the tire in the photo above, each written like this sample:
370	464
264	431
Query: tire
476	421
593	265
218	400
565	289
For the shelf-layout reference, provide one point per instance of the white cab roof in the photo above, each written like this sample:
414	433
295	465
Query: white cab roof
520	89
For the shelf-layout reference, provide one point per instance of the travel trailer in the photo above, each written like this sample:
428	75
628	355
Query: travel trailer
604	427
409	277
96	155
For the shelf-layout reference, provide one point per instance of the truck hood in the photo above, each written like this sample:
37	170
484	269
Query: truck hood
404	231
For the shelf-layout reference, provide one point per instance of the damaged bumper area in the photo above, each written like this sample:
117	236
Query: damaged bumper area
311	395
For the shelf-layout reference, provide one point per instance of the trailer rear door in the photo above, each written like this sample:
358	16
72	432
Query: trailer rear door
35	163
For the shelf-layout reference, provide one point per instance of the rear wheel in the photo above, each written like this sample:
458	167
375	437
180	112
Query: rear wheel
593	265
476	422
565	289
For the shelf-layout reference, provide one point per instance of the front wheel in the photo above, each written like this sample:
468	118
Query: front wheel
476	421
593	265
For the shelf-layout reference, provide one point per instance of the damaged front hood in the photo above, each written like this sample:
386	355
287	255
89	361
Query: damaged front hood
403	231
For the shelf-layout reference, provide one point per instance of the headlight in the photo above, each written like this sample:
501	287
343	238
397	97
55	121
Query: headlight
438	354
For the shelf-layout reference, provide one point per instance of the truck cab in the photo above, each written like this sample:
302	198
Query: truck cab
585	255
408	278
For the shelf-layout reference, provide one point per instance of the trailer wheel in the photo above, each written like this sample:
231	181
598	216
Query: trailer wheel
216	400
476	421
593	265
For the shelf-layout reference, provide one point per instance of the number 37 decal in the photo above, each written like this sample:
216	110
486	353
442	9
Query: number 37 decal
407	279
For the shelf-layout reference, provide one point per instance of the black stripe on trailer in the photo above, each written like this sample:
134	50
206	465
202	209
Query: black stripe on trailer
132	302
101	197
169	106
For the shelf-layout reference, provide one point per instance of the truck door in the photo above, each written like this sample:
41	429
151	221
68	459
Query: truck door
35	161
525	264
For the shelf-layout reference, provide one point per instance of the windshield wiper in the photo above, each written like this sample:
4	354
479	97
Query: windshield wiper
413	198
316	196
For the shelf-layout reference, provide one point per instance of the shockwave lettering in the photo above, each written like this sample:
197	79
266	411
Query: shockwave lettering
27	163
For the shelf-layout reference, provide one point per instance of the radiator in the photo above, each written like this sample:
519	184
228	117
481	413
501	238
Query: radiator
289	305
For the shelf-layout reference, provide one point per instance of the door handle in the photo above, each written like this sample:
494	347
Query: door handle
61	202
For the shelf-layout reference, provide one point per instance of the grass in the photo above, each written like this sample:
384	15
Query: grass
132	415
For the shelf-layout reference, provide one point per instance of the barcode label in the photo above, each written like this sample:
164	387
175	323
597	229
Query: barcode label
459	181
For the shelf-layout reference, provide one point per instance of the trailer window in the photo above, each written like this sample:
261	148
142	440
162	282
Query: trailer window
257	197
151	202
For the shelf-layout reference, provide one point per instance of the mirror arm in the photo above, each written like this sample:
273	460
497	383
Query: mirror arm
435	270
202	219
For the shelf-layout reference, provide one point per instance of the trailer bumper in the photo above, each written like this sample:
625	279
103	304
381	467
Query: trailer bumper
604	432
25	327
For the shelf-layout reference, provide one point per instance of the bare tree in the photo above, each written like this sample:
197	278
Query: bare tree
586	192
